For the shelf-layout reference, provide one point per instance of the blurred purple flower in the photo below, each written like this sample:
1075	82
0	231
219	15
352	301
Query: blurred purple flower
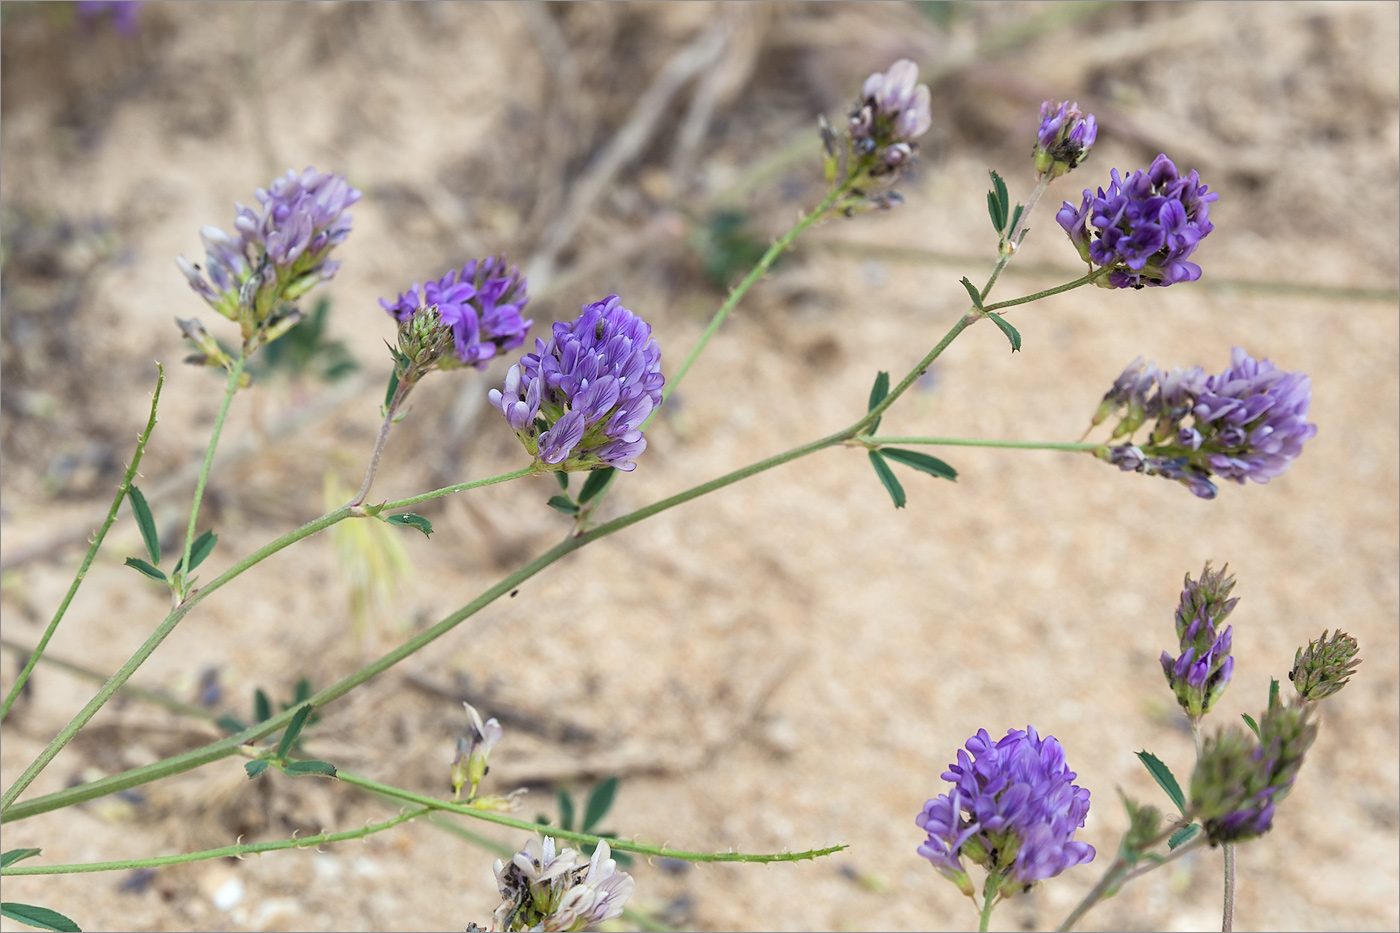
579	401
124	15
542	890
1013	809
1064	139
892	113
1144	227
482	304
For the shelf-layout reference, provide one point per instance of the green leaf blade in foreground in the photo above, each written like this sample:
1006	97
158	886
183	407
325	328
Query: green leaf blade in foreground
1164	778
262	706
254	768
310	767
202	548
563	505
40	917
878	392
289	738
599	803
145	522
973	293
393	387
15	855
1253	726
147	569
595	483
921	462
1012	334
891	482
413	521
1182	835
998	202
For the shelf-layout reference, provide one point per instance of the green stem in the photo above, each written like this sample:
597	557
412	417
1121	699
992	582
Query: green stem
122	490
460	487
401	390
1227	917
1120	873
235	851
621	845
881	441
1010	245
1027	299
234	374
989	902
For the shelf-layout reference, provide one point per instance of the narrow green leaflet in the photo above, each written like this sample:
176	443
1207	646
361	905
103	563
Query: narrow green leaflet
310	767
1011	333
1253	726
289	738
566	811
412	521
262	707
599	802
973	293
563	504
147	524
393	387
1273	692
1015	219
254	768
146	568
892	486
595	483
998	201
14	855
1164	778
1182	835
203	547
40	917
562	479
922	462
878	391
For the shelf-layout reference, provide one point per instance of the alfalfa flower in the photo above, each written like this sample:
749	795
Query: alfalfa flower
1246	423
1143	229
544	890
1199	674
1325	666
1013	809
580	400
880	137
473	752
1064	139
480	304
280	252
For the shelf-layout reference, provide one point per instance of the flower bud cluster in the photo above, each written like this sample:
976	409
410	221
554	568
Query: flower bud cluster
1064	139
1325	666
1143	228
1013	809
1248	422
479	306
1239	780
892	113
280	252
579	401
1201	672
542	890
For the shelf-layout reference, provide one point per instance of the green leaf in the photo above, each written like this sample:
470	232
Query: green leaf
1164	778
40	917
998	201
203	547
310	767
1183	834
147	524
566	811
892	486
412	521
563	479
254	768
972	293
393	387
1011	333
1253	726
922	462
289	738
1016	218
229	724
562	504
599	802
595	483
1273	692
262	707
14	855
146	568
302	693
878	392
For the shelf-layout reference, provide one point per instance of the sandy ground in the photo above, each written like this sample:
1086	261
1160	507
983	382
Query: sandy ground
786	664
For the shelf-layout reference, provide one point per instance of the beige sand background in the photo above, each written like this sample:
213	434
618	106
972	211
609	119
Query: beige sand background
788	663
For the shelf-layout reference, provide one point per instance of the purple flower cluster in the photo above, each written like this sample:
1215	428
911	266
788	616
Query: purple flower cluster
544	890
1143	228
1064	139
1014	810
1240	778
281	250
1248	422
1201	672
578	402
893	112
482	304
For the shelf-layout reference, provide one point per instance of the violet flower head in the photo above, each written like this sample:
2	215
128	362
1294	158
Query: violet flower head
579	401
1064	139
1144	228
1199	674
1013	809
482	304
280	251
1246	423
893	112
544	890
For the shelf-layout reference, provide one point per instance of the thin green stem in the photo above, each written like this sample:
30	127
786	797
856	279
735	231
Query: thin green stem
881	441
122	490
460	487
1227	917
401	390
989	901
621	845
1046	293
234	374
1121	872
234	851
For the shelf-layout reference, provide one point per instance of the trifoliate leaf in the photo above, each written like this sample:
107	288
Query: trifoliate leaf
1164	778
